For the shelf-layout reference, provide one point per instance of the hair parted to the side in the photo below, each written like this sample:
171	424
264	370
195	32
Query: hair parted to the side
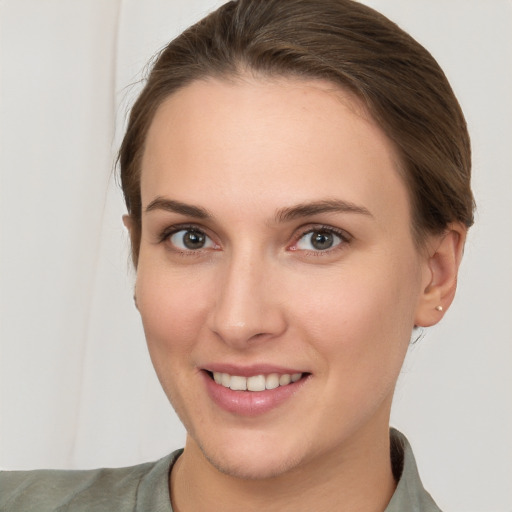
354	47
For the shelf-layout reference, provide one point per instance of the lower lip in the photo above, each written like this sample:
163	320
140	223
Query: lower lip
250	403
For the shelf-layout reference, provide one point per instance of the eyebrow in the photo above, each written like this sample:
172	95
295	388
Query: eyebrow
170	205
282	215
317	207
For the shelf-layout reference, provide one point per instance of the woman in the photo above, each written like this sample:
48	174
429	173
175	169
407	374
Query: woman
296	175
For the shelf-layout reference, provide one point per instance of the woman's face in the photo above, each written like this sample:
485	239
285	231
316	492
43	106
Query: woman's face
276	244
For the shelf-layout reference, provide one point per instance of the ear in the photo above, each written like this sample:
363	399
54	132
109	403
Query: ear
128	222
444	254
134	232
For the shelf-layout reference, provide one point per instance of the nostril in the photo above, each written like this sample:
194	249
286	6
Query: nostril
257	336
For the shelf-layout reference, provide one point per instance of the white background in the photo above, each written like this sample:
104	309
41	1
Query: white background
77	388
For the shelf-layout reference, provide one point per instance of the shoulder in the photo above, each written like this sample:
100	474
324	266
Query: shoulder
141	487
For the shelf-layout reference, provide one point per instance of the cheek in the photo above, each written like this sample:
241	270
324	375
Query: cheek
173	316
172	309
360	318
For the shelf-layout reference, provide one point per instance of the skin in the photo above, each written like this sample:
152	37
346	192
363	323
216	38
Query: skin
259	292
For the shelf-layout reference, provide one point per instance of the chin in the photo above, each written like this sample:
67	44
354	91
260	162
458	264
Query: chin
257	468
253	461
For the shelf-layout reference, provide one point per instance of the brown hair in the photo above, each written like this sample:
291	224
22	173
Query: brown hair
349	44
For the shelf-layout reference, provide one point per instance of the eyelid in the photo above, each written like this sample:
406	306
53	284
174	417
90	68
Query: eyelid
174	228
345	237
167	232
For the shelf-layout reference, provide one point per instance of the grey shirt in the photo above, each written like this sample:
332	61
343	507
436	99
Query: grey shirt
145	487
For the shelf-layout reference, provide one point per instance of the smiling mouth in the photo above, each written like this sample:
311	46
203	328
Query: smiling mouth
256	382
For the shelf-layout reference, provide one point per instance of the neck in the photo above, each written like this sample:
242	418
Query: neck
357	478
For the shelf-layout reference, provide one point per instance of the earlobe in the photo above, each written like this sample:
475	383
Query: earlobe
440	275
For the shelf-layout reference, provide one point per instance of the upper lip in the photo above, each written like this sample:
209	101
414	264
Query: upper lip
250	370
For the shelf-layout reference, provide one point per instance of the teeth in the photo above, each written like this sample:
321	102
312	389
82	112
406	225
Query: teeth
256	382
272	381
285	379
238	383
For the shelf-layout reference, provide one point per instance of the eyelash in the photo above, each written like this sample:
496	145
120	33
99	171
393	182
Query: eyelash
345	238
167	233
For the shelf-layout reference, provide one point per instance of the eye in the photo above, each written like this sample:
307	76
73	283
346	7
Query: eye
319	240
191	239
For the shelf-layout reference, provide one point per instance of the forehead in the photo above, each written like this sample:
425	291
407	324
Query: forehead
298	139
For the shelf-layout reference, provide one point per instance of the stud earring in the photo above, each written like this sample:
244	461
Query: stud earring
439	308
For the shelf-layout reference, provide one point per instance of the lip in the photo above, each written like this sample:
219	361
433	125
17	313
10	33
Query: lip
249	371
250	403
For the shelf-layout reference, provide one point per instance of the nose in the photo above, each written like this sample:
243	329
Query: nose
247	307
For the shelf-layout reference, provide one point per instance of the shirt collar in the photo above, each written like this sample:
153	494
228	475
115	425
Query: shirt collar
410	494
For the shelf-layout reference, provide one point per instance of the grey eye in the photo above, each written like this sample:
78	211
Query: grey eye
190	239
318	240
